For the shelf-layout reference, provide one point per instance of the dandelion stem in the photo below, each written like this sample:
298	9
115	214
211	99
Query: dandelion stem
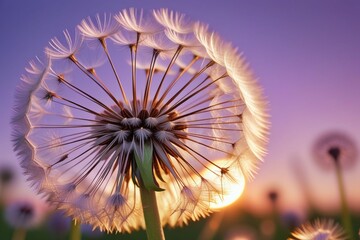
19	234
345	215
154	229
75	232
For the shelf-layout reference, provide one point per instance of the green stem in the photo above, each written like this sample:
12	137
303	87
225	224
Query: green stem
75	232
19	234
154	229
345	215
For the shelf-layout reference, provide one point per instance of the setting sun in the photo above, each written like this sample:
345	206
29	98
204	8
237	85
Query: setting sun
232	188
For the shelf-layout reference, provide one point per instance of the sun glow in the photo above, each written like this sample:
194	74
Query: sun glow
232	189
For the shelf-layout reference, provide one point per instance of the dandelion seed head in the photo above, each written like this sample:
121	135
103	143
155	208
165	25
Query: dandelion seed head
335	147
23	214
168	89
320	229
7	177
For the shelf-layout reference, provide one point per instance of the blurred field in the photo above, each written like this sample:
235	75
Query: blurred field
230	224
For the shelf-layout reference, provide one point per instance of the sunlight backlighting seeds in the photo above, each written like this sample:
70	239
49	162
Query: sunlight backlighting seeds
234	192
141	100
232	189
320	229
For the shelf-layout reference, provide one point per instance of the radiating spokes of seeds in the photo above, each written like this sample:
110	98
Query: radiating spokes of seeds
96	117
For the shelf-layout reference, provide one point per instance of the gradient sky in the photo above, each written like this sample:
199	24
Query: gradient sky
306	55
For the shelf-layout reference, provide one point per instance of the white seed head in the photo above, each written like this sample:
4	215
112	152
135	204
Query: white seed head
320	229
169	99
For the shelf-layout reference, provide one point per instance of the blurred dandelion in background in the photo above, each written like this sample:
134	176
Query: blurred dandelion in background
273	197
7	178
320	229
23	214
7	175
136	107
336	150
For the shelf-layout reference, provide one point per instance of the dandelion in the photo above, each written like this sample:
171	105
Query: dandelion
8	180
273	197
22	215
7	177
319	230
335	147
337	150
170	99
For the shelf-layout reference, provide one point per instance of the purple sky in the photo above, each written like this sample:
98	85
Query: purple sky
306	55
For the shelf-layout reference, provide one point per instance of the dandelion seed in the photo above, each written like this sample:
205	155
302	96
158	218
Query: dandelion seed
58	50
103	28
174	21
186	100
319	230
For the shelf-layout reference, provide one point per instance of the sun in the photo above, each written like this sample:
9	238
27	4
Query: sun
232	189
